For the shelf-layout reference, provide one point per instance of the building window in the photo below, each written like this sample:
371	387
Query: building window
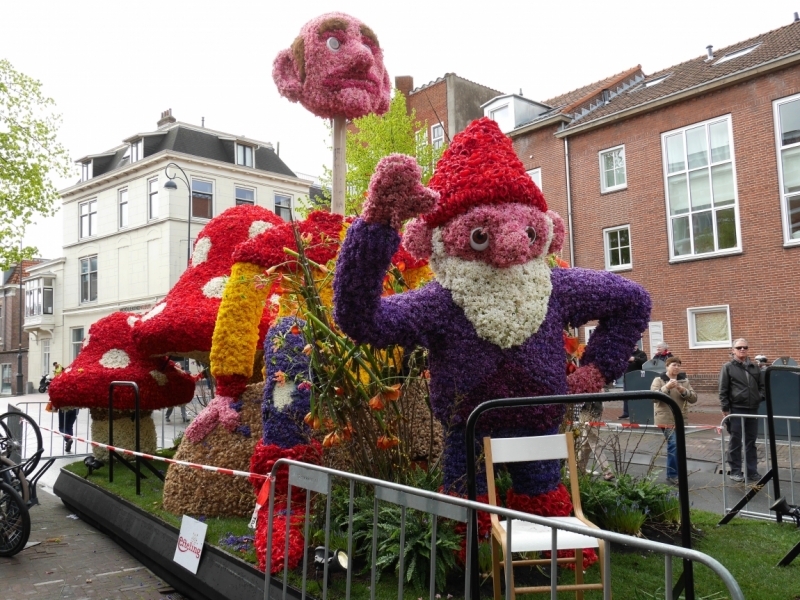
617	243
701	189
88	211
152	197
86	171
283	207
536	175
202	199
76	339
123	208
89	279
612	169
737	54
39	297
244	155
787	134
5	379
502	116
709	327
437	135
245	196
136	150
45	356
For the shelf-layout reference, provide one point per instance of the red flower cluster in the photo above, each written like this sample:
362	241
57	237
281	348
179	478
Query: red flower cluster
110	354
184	321
480	167
265	456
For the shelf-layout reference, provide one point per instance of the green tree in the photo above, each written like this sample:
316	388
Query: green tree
29	156
374	137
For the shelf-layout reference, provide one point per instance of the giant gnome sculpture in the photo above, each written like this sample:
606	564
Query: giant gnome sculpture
492	320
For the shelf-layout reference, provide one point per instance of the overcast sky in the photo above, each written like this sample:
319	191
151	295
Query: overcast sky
112	67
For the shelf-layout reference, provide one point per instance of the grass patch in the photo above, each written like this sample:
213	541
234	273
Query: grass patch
749	549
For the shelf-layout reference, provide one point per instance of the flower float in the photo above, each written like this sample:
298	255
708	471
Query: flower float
492	320
110	354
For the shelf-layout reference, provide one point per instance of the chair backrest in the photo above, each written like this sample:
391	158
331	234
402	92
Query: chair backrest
528	449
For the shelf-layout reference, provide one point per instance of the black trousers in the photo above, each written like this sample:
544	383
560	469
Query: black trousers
750	427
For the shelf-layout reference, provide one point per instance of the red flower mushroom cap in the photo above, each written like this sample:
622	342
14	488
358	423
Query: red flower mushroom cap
480	167
110	354
183	323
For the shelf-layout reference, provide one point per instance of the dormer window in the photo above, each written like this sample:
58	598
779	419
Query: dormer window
86	171
136	150
244	155
737	54
656	81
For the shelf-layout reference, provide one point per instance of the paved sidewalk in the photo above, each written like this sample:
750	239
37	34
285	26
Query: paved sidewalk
74	560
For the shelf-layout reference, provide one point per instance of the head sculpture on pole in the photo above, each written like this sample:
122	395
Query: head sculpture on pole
334	68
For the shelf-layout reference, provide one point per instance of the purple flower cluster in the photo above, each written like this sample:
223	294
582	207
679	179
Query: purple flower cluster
239	543
283	352
467	370
244	430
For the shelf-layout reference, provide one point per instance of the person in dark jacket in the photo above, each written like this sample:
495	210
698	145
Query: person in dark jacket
741	390
635	362
662	352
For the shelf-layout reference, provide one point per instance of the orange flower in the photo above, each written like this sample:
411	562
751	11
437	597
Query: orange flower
426	374
571	344
295	330
329	424
347	432
307	350
387	441
562	263
280	377
376	403
391	393
332	439
339	391
312	421
401	266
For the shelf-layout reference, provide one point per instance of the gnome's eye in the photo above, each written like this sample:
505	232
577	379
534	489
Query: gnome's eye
479	239
333	44
531	235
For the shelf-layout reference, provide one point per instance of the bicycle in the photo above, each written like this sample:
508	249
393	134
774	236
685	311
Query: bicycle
19	433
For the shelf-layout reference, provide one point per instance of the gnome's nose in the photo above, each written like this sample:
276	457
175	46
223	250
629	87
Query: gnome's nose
510	247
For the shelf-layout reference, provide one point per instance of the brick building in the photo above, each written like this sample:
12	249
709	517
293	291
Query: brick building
687	181
10	307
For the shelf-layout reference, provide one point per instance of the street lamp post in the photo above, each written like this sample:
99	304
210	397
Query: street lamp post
171	185
20	391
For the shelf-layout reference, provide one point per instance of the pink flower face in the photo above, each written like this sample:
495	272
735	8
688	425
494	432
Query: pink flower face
500	235
335	67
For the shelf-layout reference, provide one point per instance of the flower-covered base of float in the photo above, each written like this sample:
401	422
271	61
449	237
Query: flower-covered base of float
195	492
124	431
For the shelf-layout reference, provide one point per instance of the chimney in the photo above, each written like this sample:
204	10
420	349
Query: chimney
796	17
710	51
404	83
166	119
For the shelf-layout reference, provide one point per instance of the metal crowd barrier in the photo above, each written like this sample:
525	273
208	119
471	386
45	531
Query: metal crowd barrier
53	445
793	449
319	480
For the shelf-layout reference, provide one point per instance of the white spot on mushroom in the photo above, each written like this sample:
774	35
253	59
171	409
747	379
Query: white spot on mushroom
132	320
160	378
86	340
201	250
214	287
155	311
115	359
258	227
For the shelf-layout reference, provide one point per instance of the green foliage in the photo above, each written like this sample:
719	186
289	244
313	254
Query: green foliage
377	136
29	156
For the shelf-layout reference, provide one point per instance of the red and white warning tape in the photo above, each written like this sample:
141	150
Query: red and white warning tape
171	461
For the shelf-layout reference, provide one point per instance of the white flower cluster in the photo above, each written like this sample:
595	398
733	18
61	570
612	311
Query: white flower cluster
160	378
258	227
214	287
132	320
201	250
115	359
154	312
282	395
86	340
505	305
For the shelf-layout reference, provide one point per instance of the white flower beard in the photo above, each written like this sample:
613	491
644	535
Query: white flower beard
505	305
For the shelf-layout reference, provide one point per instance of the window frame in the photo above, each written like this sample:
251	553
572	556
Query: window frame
88	274
779	148
152	215
728	119
89	204
252	155
75	346
692	332
538	172
46	355
213	194
136	150
236	200
438	140
87	171
607	249
617	186
123	192
275	205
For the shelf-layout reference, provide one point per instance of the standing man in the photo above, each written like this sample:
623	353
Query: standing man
662	352
57	369
741	390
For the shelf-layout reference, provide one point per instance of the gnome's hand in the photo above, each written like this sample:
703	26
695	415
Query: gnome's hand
396	193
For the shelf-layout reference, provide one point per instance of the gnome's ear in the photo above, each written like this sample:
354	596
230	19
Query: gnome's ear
558	232
417	239
288	75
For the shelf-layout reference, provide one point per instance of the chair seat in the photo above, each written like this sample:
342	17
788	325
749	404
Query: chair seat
530	537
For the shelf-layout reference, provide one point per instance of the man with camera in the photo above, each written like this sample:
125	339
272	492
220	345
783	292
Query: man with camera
741	390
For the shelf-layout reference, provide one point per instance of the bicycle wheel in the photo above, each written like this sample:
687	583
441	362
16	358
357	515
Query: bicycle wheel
20	440
15	522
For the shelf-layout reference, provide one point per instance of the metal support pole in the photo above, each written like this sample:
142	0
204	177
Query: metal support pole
171	185
20	391
339	164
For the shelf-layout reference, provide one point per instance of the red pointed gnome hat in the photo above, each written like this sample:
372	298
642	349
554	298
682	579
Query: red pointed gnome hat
480	167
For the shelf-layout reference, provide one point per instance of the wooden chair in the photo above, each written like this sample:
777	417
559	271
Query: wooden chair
530	537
